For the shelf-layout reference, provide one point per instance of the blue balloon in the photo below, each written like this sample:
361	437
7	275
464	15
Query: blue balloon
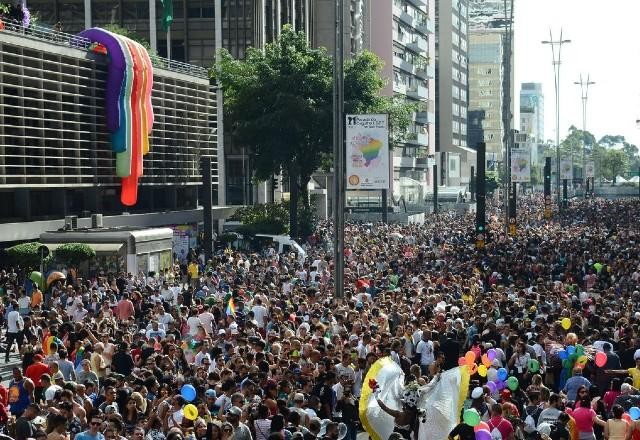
502	374
562	354
188	392
571	349
634	412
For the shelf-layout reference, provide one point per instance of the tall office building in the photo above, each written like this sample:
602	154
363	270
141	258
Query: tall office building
488	78
532	118
401	33
486	91
455	157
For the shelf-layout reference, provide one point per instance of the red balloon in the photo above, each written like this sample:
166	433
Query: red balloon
482	425
626	417
601	359
462	361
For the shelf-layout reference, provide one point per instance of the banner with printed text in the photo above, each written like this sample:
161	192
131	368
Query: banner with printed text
566	169
520	166
367	155
590	170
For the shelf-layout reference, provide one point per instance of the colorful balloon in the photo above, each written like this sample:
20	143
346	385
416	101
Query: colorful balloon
534	365
188	392
566	323
462	361
579	349
485	360
470	357
571	350
491	354
483	434
473	369
481	426
601	359
471	417
482	370
582	360
190	412
562	354
634	413
513	383
502	374
492	386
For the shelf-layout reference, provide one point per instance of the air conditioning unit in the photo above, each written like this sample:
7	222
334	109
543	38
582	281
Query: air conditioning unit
96	221
71	222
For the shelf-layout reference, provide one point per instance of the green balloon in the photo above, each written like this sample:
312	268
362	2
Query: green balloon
579	350
534	365
512	383
567	363
471	417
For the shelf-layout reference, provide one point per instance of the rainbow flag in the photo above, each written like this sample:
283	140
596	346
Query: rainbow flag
231	307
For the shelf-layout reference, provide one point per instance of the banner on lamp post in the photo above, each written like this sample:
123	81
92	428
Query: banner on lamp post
367	148
566	169
520	166
590	170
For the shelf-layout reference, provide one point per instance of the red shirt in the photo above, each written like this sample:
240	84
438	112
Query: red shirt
502	425
35	372
4	395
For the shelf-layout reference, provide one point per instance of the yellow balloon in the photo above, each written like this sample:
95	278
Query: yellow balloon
566	323
482	370
582	360
190	412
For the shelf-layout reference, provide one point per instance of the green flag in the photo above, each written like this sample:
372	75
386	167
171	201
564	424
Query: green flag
167	13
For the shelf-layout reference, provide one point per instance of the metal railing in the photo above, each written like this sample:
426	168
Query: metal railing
52	36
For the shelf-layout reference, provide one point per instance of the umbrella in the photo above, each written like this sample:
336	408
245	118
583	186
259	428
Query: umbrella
55	276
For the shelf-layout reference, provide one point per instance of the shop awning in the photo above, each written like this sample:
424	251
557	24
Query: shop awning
98	247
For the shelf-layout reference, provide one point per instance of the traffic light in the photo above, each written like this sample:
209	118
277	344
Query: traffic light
274	183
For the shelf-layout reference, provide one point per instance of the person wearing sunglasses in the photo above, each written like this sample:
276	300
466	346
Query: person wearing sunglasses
93	433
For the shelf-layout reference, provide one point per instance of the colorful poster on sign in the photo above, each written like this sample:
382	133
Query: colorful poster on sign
566	169
520	166
590	170
367	152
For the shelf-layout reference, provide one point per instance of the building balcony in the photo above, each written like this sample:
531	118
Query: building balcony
424	117
427	71
403	64
418	139
418	44
419	3
418	91
404	162
399	88
425	26
404	16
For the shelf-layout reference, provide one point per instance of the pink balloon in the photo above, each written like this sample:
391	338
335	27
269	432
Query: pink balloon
481	426
491	354
570	411
462	361
483	434
601	359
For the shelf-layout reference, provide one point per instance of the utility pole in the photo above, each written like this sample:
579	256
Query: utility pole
556	55
506	105
584	96
338	151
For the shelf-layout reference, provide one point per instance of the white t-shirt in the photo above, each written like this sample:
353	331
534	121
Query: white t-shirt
14	322
207	318
165	319
260	312
425	349
193	322
50	392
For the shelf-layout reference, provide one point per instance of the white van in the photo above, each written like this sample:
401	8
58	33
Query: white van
282	244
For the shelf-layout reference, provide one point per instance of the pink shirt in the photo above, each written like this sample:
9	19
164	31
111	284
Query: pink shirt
584	419
125	309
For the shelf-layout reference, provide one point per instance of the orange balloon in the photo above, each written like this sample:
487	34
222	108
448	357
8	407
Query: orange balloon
482	425
462	361
473	368
470	357
485	361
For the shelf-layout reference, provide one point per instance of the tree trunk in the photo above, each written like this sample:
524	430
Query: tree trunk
293	205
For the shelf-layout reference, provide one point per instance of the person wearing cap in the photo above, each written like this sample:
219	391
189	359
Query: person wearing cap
240	430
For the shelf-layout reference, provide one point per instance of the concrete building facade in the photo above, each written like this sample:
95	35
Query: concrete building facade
455	158
532	119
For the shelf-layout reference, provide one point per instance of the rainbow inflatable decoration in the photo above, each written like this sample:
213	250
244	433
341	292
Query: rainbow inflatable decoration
128	109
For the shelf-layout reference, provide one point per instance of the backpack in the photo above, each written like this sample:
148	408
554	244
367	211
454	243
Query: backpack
531	420
495	432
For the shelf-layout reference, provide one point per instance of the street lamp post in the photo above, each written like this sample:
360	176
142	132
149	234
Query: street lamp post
556	55
584	96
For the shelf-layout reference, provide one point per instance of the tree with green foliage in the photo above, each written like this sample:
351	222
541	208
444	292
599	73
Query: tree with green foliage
25	255
278	103
614	163
74	254
267	218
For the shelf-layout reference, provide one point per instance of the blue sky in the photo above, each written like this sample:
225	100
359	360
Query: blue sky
605	44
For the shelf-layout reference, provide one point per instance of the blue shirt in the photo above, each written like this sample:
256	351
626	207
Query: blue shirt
86	435
572	385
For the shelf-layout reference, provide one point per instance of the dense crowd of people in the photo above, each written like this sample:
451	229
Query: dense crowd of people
268	353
